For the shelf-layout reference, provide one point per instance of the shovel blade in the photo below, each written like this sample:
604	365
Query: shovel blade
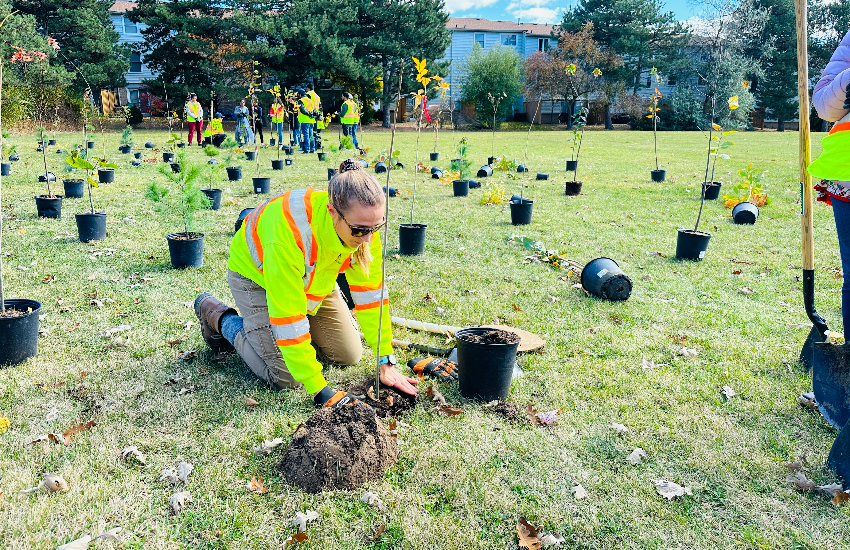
839	456
831	382
814	337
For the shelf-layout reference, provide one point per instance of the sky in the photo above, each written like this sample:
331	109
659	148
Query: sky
540	11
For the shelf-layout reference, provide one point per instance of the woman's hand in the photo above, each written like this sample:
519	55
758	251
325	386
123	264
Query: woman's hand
395	379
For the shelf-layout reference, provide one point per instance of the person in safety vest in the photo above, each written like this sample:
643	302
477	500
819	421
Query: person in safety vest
195	118
294	127
307	121
214	132
349	117
282	272
277	114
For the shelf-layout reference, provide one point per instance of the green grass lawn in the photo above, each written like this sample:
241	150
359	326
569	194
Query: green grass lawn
461	482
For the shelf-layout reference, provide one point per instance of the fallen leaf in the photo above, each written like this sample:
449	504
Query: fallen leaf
435	395
449	411
636	456
39	439
97	303
301	519
687	352
48	279
516	307
841	498
169	475
527	535
619	428
188	355
79	544
648	365
251	402
370	393
297	537
728	392
372	500
807	402
52	483
552	299
801	481
256	486
377	534
174	342
795	466
77	429
183	471
393	427
548	418
390	400
670	490
133	452
179	500
552	539
266	447
745	290
830	489
52	415
579	492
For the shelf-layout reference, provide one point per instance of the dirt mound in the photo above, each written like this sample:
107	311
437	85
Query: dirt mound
508	411
401	402
493	337
338	449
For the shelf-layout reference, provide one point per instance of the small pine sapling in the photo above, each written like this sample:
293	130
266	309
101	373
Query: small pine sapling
189	198
127	136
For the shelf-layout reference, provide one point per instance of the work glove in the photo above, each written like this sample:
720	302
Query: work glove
330	398
441	369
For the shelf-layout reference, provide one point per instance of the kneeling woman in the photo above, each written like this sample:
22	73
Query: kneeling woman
282	272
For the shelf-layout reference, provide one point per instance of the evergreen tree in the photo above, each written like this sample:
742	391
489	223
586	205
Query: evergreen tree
777	90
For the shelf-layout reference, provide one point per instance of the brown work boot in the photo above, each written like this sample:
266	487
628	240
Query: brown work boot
210	310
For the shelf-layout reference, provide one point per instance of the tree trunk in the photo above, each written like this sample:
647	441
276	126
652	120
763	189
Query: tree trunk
571	109
780	125
387	123
608	124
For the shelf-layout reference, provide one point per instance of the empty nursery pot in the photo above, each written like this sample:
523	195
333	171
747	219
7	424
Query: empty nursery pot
186	249
262	186
214	196
277	165
572	188
137	155
14	157
604	279
234	173
332	172
136	162
19	335
485	362
51	142
50	177
572	165
381	167
167	157
435	169
521	168
322	156
658	175
250	155
542	176
73	188
149	145
48	207
745	213
473	184
399	165
91	227
521	210
691	245
484	172
287	150
393	192
175	167
411	238
125	149
90	144
436	174
107	175
5	168
363	163
242	215
460	187
711	190
434	156
288	162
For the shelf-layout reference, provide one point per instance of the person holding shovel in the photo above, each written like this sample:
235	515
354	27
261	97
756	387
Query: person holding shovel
282	272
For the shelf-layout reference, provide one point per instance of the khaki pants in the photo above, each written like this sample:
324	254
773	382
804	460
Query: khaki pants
331	330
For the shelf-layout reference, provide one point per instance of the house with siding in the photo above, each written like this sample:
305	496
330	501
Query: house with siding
130	33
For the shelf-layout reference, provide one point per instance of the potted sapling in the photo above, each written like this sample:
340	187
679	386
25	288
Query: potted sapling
126	140
172	144
443	86
186	248
91	225
521	207
573	188
658	175
462	164
495	100
234	173
213	170
75	188
346	143
716	143
7	150
748	196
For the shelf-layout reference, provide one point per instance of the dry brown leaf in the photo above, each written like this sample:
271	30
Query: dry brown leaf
449	411
377	534
297	537
435	395
808	403
516	307
830	489
174	342
266	447
801	481
370	393
527	535
795	466
393	426
251	402
66	437
256	486
390	400
188	355
841	498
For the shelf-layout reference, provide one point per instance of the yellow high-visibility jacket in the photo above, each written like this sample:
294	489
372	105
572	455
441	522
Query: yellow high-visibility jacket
214	127
276	112
351	114
194	111
288	246
306	106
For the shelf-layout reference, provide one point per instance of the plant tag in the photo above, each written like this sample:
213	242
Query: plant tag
258	190
702	255
602	273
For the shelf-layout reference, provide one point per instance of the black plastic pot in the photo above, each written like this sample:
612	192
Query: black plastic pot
14	157
292	143
436	174
393	192
126	149
137	155
711	190
484	370
250	155
51	142
380	168
19	335
136	162
287	150
272	142
149	145
322	156
90	144
181	145
604	279
473	184
572	188
241	218
5	168
48	207
214	196
288	162
107	175
186	252
484	172
74	188
839	455
262	186
363	163
434	156
461	188
691	245
91	227
50	177
521	168
332	172
234	173
491	160
745	213
167	157
521	211
411	238
542	176
175	167
658	175
277	165
572	165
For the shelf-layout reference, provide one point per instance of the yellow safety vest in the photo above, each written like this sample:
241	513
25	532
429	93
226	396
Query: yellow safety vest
315	99
213	128
289	247
353	114
308	105
276	112
193	111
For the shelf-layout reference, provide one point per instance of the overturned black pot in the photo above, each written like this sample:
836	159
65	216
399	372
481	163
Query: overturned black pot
19	335
214	196
49	177
604	279
51	142
485	370
521	210
250	155
332	172
167	157
572	165
322	156
14	157
186	250
5	168
149	145
91	226
277	165
522	168
262	186
392	191
572	188
90	144
175	167
48	207
107	175
658	175
691	245
473	184
234	173
126	149
711	190
745	213
380	167
461	188
181	145
484	172
137	155
542	176
436	174
74	189
434	156
411	238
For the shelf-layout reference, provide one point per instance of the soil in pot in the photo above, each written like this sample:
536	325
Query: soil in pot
107	175
460	188
486	359
214	196
186	250
340	448
658	175
572	188
262	185
234	173
277	165
711	190
493	336
19	331
392	402
48	206
411	238
691	245
91	227
74	188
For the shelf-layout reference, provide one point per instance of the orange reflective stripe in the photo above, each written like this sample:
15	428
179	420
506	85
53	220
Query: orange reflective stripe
365	288
286	320
293	341
371	305
840	127
290	330
345	265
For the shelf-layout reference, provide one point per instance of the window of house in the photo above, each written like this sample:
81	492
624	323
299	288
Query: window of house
542	44
133	97
130	27
479	39
135	62
509	40
671	80
648	81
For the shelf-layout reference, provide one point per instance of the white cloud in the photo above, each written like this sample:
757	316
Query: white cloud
538	15
453	6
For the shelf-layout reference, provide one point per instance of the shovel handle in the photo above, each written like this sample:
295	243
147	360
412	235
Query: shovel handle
805	153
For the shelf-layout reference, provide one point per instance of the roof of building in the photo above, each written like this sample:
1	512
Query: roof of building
122	6
477	24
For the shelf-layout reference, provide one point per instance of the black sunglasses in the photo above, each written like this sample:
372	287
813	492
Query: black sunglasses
359	230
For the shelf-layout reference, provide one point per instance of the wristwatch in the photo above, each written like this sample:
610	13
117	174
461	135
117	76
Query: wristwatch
388	359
